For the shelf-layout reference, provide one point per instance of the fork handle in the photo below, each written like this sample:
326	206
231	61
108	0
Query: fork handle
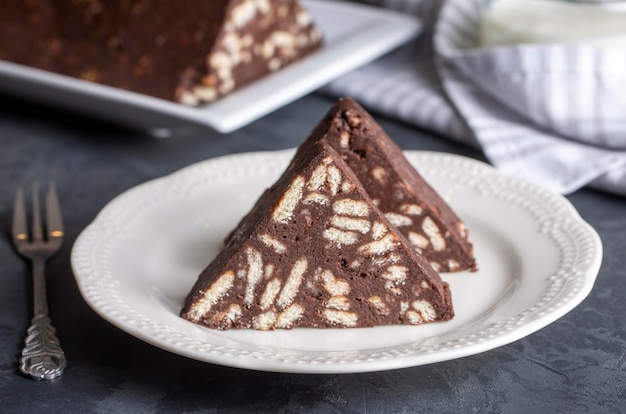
42	356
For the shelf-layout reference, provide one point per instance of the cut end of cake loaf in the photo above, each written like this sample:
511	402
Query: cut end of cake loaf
316	252
256	38
397	189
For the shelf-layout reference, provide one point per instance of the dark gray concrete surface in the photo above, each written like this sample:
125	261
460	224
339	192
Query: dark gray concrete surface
575	365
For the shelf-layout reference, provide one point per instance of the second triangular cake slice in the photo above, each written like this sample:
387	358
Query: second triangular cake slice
400	192
316	252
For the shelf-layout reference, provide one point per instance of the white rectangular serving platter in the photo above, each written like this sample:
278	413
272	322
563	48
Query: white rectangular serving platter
354	35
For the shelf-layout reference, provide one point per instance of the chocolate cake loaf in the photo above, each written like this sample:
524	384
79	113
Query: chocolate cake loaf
315	251
399	191
184	51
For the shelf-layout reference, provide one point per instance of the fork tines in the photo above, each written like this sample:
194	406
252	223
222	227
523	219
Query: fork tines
54	223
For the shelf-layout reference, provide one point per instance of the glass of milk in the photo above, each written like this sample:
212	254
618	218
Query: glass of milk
597	23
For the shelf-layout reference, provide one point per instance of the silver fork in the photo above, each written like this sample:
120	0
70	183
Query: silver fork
42	356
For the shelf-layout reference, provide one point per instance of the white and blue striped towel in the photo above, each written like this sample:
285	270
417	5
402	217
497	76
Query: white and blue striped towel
552	114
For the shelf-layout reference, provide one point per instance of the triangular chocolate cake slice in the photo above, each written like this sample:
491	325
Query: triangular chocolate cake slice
398	190
316	252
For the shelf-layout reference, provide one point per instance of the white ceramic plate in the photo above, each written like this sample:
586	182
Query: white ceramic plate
354	34
136	262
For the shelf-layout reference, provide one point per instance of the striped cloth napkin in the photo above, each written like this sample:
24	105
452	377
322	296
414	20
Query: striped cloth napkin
552	114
